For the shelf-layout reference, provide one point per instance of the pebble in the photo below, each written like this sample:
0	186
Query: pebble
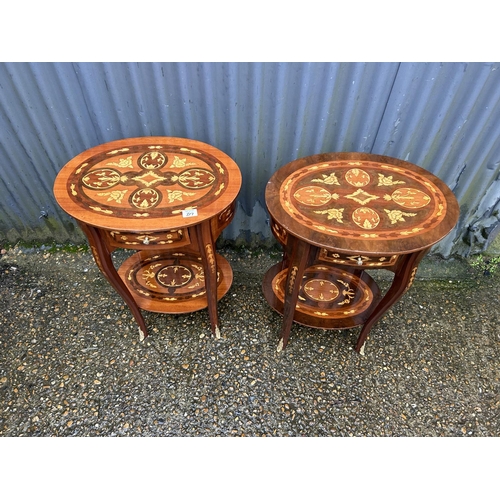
71	363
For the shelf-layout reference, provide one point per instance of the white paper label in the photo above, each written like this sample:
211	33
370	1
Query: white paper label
192	212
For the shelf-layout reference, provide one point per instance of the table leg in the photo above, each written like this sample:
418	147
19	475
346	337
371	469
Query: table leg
207	251
102	257
404	274
297	264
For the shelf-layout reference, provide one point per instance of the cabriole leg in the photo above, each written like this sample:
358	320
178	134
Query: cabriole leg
404	274
102	257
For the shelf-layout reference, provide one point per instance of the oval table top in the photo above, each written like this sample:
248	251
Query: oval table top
147	184
361	202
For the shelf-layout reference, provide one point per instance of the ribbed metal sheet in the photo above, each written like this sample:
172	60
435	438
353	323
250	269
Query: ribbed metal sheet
446	118
443	117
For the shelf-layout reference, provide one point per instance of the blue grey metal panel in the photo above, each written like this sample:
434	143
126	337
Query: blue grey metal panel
444	117
263	115
43	123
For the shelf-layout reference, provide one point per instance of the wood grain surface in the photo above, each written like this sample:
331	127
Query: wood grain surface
168	198
147	184
358	202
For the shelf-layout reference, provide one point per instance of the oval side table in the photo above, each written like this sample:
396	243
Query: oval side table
337	215
169	199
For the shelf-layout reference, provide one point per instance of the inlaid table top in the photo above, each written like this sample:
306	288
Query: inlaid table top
361	203
147	183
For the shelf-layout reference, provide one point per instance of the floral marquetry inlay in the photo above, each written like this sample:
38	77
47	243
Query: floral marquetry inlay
327	292
364	200
130	182
176	280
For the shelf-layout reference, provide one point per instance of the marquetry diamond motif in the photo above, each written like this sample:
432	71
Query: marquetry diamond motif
152	176
362	197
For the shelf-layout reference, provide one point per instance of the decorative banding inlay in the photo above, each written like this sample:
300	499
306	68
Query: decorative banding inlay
130	182
328	292
362	200
172	282
350	211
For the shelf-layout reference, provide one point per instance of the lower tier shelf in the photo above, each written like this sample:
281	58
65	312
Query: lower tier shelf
329	297
173	282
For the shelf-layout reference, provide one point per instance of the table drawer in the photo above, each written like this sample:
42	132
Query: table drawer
357	259
171	238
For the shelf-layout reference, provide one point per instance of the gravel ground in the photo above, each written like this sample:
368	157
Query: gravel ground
71	363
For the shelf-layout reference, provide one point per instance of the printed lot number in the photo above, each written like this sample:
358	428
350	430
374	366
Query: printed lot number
192	212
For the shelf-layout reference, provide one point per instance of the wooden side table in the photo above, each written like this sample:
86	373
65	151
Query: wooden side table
336	216
168	198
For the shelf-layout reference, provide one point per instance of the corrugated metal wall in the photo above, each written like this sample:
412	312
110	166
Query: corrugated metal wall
443	117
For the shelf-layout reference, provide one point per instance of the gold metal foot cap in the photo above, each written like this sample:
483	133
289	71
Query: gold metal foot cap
280	346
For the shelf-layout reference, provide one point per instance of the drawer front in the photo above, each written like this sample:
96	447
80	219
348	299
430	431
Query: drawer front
357	259
172	238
